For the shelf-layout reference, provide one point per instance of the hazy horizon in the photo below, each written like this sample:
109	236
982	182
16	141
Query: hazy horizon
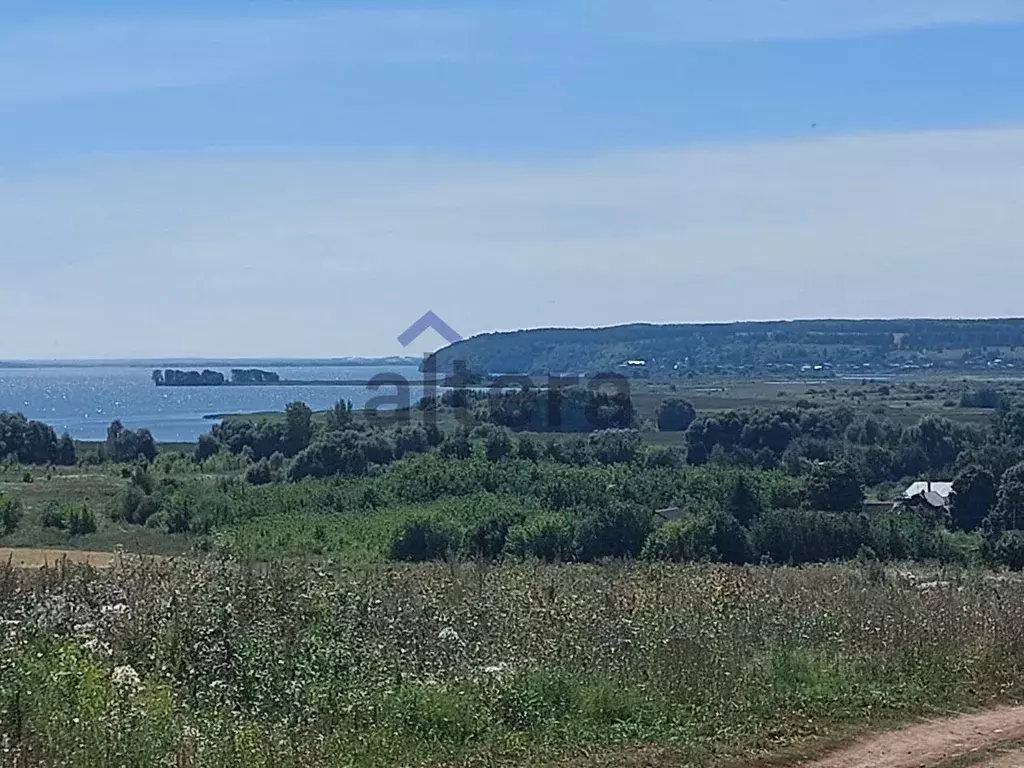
222	360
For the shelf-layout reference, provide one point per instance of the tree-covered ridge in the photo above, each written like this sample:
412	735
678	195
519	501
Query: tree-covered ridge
775	345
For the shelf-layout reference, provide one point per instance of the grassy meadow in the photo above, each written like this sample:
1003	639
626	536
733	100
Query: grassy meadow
213	663
96	488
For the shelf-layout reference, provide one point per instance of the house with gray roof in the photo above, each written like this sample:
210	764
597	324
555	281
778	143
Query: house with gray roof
927	494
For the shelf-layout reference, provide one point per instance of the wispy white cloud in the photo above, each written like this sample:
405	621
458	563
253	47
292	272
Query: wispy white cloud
53	60
45	61
317	254
742	20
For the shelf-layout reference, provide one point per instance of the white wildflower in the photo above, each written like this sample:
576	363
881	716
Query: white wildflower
97	646
499	670
449	635
126	680
117	609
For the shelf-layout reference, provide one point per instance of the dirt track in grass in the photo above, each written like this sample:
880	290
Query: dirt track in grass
989	739
37	558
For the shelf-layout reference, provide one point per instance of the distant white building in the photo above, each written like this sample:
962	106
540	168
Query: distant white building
667	515
927	493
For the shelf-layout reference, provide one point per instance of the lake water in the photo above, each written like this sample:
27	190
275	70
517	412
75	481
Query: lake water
83	401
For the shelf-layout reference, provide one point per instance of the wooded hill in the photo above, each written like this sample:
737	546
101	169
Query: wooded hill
779	346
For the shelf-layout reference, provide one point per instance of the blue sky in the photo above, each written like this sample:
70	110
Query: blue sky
294	178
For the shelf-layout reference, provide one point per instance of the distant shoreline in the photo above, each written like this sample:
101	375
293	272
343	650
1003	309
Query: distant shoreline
271	362
384	381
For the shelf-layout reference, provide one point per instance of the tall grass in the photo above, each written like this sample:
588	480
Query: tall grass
218	664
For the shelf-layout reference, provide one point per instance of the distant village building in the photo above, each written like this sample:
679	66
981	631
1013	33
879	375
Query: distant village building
667	515
927	495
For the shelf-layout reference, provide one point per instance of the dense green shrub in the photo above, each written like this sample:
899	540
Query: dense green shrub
498	445
80	520
549	536
259	473
126	445
615	446
809	536
487	537
675	415
133	505
10	514
207	447
835	487
77	520
1009	550
689	540
424	538
618	530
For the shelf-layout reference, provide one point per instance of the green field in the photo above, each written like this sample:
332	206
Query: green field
463	665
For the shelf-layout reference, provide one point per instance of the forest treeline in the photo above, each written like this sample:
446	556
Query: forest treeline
679	349
774	484
33	442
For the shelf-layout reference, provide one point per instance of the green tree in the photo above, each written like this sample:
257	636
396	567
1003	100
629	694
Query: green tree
835	486
298	430
617	531
743	502
498	445
974	496
10	514
340	416
80	521
1009	512
487	538
690	540
125	445
675	415
424	538
66	454
456	446
208	446
544	537
259	473
527	448
711	536
615	446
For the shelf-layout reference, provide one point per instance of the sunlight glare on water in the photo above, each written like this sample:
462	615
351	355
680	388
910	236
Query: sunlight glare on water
83	401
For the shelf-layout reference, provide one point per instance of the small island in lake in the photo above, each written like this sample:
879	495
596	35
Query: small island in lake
208	378
253	376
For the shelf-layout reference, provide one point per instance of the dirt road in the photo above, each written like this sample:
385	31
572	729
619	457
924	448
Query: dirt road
990	739
35	558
